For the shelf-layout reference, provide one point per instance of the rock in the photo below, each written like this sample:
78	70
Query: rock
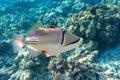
5	47
90	32
72	70
108	73
28	66
98	23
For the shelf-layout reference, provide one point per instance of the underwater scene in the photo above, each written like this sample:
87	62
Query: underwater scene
59	39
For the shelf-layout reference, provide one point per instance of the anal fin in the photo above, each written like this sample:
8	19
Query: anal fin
33	51
46	53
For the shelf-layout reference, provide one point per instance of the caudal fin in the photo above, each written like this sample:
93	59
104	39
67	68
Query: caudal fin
17	42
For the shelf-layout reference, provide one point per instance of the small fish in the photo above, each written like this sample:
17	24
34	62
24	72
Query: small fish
51	41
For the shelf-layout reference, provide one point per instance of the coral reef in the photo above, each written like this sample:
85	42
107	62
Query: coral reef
22	14
11	22
98	23
73	70
6	59
85	53
26	67
110	1
77	65
5	47
110	61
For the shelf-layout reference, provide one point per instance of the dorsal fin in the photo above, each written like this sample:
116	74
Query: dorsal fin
35	27
51	26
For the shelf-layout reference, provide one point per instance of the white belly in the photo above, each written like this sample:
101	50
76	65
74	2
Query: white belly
55	49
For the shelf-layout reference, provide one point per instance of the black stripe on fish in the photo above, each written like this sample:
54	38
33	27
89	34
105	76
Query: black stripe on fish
73	42
63	34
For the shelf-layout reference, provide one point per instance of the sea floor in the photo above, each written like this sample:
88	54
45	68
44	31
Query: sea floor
109	60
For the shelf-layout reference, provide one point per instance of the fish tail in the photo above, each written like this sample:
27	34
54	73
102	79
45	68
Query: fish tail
17	42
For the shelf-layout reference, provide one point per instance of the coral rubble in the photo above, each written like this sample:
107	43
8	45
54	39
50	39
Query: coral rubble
26	67
73	70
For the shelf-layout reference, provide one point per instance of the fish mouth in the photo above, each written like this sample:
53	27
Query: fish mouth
80	39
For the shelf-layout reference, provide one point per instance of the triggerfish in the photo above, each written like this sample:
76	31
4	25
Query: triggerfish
51	41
